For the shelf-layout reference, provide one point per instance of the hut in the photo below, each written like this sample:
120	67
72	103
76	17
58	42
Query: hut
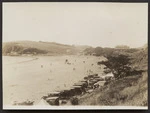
51	94
53	100
65	94
42	102
82	84
99	84
86	78
77	90
110	74
98	78
92	76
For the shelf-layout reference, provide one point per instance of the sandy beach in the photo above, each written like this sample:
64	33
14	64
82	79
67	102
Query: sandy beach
31	77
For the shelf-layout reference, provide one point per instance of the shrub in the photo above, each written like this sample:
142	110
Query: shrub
74	101
118	65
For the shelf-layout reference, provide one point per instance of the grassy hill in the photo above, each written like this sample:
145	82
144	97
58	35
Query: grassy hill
140	59
32	47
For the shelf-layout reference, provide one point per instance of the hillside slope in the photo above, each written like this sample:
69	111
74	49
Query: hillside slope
127	91
32	47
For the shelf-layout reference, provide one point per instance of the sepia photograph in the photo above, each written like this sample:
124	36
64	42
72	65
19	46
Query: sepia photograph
74	55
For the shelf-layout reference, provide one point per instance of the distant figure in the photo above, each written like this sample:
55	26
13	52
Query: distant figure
83	61
74	68
41	66
66	61
90	71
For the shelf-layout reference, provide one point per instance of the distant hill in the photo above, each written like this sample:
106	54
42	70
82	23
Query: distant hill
99	51
32	47
122	47
145	46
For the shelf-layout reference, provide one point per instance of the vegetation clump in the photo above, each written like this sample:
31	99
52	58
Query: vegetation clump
74	101
126	89
119	65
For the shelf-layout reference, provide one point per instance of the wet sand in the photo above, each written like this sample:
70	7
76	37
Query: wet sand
30	78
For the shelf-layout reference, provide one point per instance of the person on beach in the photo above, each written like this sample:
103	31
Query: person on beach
66	61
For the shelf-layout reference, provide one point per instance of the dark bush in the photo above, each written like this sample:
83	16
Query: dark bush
33	50
118	64
74	101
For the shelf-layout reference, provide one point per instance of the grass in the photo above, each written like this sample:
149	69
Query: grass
127	91
131	91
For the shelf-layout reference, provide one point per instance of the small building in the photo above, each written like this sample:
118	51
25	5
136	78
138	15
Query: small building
42	102
53	100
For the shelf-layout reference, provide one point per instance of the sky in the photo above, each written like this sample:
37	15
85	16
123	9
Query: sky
94	24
